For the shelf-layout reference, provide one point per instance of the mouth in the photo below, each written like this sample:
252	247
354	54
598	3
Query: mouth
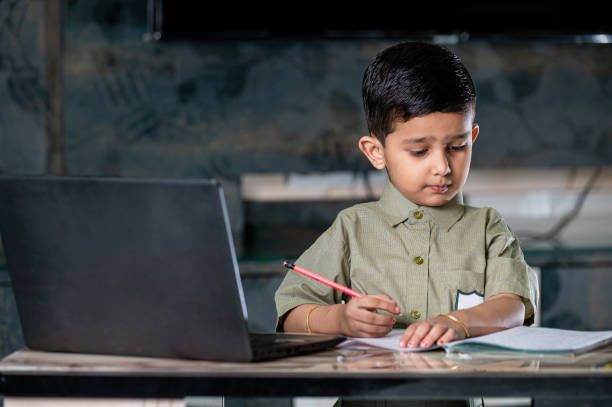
439	189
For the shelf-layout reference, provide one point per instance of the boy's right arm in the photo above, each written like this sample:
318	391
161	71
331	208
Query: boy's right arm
357	318
297	295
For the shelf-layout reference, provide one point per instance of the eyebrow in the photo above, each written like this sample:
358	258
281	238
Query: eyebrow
425	139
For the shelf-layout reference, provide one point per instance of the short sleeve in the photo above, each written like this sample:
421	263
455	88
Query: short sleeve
326	257
506	270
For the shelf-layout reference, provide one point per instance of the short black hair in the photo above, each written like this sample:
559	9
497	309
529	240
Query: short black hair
412	79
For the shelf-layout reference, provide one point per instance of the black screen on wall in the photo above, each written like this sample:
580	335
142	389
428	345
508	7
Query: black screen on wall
181	19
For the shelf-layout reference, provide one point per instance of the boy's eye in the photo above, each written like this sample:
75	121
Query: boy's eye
418	153
458	148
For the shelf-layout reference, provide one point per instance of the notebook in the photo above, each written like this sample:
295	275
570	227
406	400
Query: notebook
139	267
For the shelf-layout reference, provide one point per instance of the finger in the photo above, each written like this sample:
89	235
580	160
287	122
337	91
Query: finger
369	317
432	336
407	335
365	315
419	333
370	331
385	297
381	302
448	336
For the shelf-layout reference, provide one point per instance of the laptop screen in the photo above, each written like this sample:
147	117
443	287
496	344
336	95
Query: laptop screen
124	266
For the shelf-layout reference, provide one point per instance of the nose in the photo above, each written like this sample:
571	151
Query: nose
440	164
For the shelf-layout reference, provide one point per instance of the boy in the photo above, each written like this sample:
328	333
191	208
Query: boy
426	262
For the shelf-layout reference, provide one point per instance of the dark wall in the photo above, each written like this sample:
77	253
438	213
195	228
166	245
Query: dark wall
224	107
199	108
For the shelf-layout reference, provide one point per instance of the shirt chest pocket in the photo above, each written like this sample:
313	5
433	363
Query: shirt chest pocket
463	289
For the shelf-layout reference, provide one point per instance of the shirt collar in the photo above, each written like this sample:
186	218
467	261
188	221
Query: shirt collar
398	209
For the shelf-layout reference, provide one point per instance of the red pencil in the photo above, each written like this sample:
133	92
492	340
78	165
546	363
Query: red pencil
322	279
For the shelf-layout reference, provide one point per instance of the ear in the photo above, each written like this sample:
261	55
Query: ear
475	131
374	150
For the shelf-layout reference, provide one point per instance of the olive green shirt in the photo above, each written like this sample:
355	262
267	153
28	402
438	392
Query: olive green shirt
431	260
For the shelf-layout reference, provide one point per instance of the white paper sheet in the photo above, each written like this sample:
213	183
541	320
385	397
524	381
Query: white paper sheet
390	341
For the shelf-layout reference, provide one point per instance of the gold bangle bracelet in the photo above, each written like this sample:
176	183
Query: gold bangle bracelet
308	318
452	318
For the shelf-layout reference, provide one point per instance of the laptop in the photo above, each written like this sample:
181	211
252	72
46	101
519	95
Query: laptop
140	267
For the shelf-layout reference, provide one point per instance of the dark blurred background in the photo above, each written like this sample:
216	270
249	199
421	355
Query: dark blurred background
268	100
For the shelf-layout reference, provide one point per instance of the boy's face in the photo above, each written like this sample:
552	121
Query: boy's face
427	157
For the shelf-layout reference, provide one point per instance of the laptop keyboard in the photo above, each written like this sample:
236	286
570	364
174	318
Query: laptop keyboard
280	344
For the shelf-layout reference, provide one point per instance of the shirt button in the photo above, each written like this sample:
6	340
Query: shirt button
415	314
418	260
418	214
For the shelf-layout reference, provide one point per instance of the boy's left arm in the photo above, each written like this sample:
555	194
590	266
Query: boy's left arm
498	312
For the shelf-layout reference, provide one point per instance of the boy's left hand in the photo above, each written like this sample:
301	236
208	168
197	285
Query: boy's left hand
431	331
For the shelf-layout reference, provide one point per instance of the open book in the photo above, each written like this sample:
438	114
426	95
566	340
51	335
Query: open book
521	339
524	339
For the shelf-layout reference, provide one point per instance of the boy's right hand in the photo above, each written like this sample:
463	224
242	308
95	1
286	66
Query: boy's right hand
358	318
